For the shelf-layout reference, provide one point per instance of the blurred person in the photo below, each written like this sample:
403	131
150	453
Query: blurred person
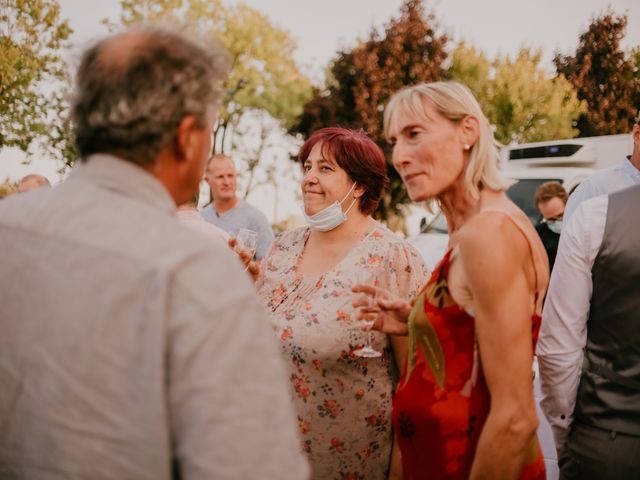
131	348
550	199
465	406
621	176
31	182
229	212
588	352
343	401
188	214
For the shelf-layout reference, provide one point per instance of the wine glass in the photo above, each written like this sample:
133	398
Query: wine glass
247	242
366	276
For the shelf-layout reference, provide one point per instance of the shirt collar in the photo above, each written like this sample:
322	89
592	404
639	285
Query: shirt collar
631	170
125	178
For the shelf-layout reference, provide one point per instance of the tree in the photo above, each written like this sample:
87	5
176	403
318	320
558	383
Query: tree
518	98
474	69
603	75
361	82
32	72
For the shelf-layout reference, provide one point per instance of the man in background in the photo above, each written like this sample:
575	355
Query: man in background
229	212
129	347
31	182
550	199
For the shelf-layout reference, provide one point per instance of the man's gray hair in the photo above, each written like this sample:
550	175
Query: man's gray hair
134	89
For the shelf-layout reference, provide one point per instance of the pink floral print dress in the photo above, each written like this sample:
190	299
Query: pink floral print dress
343	401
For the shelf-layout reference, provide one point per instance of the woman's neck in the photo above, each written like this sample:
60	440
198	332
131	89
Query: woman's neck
457	205
350	231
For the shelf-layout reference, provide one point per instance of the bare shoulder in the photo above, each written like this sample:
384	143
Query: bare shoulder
492	234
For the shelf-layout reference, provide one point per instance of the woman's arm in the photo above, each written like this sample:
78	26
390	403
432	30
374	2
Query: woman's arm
494	256
395	467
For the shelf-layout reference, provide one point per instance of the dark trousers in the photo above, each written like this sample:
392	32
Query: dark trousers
592	453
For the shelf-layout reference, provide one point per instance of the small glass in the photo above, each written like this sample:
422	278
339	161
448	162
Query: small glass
369	311
247	242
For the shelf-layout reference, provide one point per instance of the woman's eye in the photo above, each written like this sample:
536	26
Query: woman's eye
413	133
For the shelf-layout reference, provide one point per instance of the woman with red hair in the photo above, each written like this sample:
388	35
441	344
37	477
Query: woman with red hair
343	399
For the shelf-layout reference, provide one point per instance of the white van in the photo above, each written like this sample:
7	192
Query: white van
566	161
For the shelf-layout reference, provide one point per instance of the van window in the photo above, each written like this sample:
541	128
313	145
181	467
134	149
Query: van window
522	194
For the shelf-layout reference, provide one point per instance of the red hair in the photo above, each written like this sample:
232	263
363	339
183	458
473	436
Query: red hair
356	154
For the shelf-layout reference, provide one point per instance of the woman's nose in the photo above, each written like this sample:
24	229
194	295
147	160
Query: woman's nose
309	177
398	156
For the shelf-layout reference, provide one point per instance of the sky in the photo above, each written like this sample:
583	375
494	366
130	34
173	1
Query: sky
321	28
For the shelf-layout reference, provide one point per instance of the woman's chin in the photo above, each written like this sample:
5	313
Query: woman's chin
417	196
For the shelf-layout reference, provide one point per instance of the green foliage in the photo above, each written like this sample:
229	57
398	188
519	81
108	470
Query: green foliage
361	81
603	75
32	72
519	99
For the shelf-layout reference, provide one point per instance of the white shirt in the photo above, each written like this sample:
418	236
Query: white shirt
619	177
563	334
126	341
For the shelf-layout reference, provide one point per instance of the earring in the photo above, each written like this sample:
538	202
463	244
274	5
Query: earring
466	147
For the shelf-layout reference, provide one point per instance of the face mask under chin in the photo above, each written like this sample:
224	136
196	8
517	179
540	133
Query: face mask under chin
330	217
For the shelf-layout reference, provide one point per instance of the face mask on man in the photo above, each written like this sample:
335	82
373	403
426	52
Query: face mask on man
330	217
555	226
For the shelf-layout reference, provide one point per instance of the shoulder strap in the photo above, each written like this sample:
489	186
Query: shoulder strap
526	237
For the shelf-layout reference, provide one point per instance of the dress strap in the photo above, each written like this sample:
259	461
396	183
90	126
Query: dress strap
526	237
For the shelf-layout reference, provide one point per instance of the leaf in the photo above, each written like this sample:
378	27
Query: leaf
428	340
421	330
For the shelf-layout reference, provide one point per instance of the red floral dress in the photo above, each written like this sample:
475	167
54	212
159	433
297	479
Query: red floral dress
443	401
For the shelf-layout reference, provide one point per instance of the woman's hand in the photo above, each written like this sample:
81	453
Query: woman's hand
250	265
394	311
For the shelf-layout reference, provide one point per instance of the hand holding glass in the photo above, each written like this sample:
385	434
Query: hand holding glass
247	242
369	311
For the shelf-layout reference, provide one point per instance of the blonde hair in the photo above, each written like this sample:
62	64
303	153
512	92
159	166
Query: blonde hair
454	101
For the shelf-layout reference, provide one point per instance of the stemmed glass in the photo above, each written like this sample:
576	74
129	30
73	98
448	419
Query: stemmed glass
247	242
370	310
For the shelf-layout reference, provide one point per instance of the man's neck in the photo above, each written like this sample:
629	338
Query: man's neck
635	160
223	206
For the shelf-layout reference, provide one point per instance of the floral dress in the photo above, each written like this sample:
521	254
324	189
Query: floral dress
343	401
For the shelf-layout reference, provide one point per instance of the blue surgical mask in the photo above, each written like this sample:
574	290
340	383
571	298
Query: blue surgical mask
330	217
555	226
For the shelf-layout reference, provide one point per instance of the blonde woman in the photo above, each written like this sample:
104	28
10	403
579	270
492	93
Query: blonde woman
465	406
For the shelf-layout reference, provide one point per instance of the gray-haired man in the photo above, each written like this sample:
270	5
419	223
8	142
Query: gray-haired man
127	341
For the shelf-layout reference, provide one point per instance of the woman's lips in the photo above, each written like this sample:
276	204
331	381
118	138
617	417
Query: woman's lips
410	176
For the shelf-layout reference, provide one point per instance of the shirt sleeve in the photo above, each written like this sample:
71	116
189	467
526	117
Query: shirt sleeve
407	271
229	407
583	192
563	332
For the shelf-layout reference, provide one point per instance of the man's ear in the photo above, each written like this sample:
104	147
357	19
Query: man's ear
184	141
636	133
470	130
